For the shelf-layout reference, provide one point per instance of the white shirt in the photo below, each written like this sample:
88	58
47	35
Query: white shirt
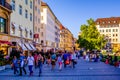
30	60
73	56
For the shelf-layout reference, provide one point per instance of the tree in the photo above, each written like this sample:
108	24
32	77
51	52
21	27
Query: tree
90	37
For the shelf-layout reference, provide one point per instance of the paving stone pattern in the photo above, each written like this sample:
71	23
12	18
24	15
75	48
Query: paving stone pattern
83	71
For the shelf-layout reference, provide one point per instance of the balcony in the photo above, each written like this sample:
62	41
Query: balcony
6	5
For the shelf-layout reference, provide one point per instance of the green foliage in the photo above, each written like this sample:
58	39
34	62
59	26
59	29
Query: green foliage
90	37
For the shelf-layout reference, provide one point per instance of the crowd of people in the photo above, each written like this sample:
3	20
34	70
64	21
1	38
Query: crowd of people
38	58
91	56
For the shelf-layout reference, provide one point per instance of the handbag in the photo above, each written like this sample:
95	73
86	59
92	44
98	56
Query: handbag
67	62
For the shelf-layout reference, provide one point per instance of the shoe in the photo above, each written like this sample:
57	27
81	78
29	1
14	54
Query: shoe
20	74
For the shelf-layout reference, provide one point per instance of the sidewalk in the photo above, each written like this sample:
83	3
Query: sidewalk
83	71
5	67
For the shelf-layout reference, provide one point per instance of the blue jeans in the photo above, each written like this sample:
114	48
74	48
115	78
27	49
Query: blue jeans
40	67
30	69
15	69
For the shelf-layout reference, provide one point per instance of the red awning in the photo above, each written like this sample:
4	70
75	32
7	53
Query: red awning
5	42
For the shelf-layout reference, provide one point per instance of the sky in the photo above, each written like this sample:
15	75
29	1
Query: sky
73	13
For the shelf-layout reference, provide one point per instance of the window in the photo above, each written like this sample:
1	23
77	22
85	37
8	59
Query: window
38	11
2	2
30	17
42	26
106	30
26	2
116	35
116	40
113	30
26	33
13	30
103	30
26	14
103	22
20	32
38	1
113	40
35	8
30	34
114	21
13	5
109	30
108	21
97	22
116	30
20	9
38	20
42	17
35	29
38	29
41	34
3	25
113	35
31	4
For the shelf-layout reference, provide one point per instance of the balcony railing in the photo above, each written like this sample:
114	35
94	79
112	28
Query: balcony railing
6	5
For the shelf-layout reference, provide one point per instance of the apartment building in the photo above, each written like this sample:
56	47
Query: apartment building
21	24
5	11
110	27
37	23
49	28
66	39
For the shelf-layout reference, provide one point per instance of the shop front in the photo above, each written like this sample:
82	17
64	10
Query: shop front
4	45
23	45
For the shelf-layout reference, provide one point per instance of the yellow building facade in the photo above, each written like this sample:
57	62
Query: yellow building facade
66	39
5	11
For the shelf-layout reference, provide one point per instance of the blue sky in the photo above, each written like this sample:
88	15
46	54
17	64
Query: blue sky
73	13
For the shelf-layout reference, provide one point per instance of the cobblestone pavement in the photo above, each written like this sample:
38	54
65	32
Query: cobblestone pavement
83	71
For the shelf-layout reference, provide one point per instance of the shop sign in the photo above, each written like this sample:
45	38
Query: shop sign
36	35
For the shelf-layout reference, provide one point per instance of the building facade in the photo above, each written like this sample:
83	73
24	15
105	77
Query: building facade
37	23
5	11
110	27
21	24
66	39
57	33
49	28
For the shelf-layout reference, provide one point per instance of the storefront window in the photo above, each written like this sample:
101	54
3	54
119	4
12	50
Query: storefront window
2	25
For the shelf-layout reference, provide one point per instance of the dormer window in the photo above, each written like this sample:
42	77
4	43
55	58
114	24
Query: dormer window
114	21
97	22
103	22
108	21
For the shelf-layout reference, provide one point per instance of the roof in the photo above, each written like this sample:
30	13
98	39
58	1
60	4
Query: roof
108	21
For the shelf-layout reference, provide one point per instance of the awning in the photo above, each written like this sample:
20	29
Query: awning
5	42
22	46
28	46
32	47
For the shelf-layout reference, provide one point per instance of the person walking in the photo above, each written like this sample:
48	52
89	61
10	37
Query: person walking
65	56
30	60
60	61
22	63
15	64
35	58
74	59
53	60
39	63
